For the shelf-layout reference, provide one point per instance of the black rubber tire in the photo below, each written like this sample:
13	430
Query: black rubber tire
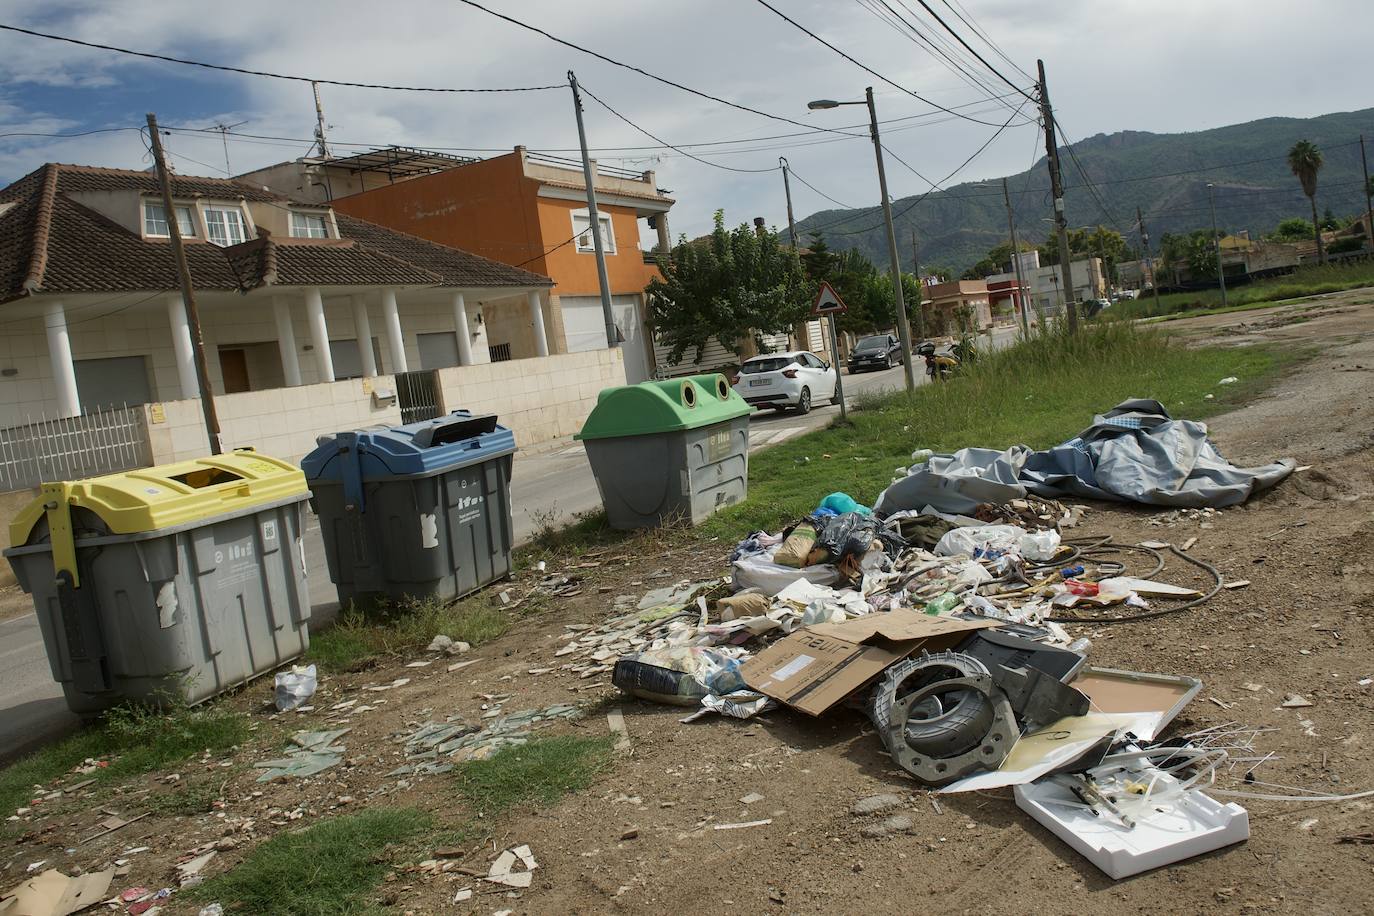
804	402
960	720
888	365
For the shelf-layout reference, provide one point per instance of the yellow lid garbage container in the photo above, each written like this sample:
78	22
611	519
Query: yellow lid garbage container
167	584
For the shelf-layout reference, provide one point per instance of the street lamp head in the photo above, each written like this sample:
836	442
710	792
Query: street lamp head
819	104
1209	184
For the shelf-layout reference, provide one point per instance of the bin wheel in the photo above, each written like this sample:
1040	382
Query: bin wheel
804	401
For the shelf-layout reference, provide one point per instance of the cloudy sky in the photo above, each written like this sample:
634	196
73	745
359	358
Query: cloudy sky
1161	65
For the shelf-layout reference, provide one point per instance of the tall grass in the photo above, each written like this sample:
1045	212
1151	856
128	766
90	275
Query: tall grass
1037	392
1308	281
359	635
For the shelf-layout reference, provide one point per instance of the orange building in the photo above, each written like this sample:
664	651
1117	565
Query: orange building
522	209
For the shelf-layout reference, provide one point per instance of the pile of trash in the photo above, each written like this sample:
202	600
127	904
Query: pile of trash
944	626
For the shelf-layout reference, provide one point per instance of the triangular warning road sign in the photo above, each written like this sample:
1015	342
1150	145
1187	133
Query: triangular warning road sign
828	302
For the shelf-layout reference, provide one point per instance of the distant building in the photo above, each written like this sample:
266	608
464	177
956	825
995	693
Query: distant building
946	300
523	209
1043	285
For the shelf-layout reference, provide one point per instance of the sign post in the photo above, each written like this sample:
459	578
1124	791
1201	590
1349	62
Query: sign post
828	303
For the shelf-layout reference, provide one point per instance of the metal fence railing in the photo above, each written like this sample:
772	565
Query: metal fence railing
417	394
499	353
103	441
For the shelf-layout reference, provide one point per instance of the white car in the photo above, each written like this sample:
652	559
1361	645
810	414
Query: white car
781	380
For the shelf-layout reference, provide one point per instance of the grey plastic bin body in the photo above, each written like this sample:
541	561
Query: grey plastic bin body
669	450
418	511
178	614
646	481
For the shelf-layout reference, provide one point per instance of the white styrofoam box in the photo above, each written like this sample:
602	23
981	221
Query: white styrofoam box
1193	825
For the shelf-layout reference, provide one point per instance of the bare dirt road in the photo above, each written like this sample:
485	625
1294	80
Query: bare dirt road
1301	627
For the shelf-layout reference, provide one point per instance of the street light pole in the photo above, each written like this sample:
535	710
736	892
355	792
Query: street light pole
1016	263
903	329
903	326
1221	271
594	219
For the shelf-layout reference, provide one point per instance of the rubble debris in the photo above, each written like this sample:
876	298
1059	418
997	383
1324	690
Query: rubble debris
752	798
503	871
462	741
763	823
874	804
315	752
1295	701
615	721
898	823
55	894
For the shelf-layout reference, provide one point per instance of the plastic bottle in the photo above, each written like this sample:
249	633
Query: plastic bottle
1086	589
1068	572
943	604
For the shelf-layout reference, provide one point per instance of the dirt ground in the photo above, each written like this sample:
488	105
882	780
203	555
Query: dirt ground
1302	626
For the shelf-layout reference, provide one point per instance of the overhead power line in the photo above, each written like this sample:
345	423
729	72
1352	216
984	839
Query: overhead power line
818	190
279	76
967	19
867	69
641	71
959	38
666	144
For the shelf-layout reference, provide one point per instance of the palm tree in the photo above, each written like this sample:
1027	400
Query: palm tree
1305	161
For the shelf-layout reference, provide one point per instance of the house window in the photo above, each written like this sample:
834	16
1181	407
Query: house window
309	225
582	228
155	220
224	225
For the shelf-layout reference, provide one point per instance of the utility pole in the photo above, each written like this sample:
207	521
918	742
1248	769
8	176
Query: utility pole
319	122
594	217
920	287
1016	262
1057	190
1216	241
1145	241
903	328
787	189
1368	203
188	295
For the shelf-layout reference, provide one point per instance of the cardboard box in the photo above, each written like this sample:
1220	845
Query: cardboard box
818	666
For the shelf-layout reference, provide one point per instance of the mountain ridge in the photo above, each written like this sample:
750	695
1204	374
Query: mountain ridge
1165	174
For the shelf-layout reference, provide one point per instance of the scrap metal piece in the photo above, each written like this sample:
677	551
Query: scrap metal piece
972	726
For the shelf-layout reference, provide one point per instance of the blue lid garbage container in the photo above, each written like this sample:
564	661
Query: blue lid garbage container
167	584
415	511
668	450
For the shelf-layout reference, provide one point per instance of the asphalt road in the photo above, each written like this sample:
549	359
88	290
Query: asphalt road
548	486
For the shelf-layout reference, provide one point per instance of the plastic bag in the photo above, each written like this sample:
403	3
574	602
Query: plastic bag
842	503
985	539
294	687
760	572
848	534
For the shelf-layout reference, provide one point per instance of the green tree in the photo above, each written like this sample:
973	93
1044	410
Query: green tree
1329	220
1193	251
1293	229
1101	242
730	285
1305	161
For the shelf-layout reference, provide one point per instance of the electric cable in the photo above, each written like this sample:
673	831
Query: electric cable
867	69
280	76
641	71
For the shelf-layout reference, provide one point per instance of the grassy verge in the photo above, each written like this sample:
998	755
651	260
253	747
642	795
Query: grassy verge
330	868
133	741
334	867
1309	281
1037	393
542	771
358	635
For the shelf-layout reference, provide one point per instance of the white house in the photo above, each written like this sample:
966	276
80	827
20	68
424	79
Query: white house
312	321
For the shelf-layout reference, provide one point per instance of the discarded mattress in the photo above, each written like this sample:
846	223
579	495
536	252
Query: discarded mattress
1134	452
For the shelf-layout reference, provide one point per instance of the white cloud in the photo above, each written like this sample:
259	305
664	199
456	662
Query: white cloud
1163	66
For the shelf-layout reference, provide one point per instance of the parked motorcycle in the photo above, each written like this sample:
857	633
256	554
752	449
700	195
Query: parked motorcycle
939	366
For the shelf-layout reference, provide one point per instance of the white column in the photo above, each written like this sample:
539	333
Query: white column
541	341
395	343
286	341
460	328
319	333
60	352
363	326
181	346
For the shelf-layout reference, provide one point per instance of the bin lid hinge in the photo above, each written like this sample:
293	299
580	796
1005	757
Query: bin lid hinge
57	504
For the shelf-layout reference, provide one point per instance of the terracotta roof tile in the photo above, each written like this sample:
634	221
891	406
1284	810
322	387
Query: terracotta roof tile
51	243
